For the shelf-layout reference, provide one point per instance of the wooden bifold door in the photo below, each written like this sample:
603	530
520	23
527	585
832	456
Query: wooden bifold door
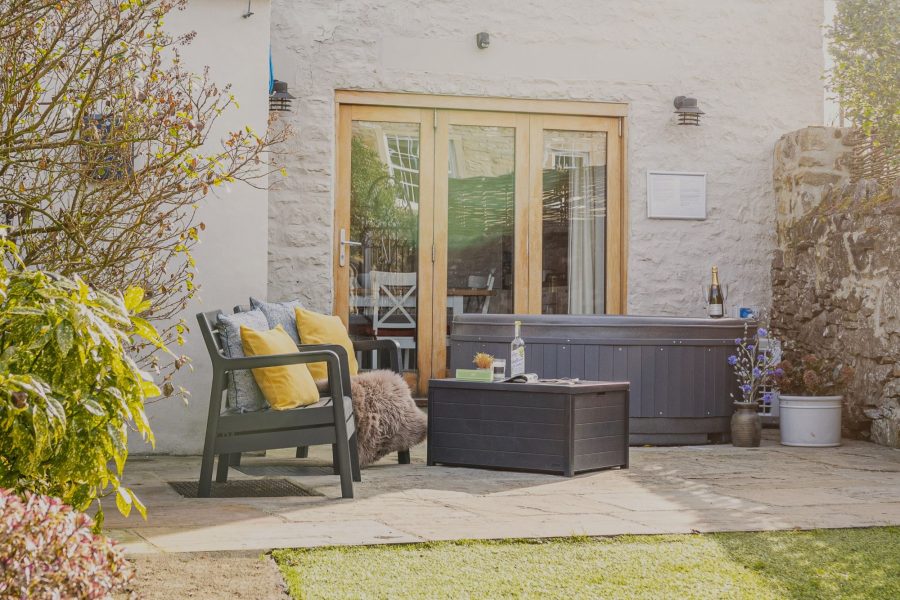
448	205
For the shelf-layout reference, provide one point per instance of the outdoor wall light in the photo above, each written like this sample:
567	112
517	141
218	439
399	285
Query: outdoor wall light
280	98
483	40
687	110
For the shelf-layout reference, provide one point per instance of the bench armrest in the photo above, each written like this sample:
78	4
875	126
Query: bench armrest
333	355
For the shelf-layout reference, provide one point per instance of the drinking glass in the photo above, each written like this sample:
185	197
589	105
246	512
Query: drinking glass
499	369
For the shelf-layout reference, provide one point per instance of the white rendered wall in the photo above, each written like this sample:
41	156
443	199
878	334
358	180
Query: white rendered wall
231	258
754	65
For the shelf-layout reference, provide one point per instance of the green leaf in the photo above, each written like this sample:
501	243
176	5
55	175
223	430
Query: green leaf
56	412
118	436
149	389
139	505
41	430
123	501
26	311
93	407
133	298
65	337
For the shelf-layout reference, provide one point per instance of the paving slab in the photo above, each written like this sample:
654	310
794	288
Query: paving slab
666	490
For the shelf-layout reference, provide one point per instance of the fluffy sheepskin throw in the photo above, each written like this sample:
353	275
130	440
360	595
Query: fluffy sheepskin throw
387	418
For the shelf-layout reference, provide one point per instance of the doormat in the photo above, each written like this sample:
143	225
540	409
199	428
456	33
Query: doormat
293	470
246	488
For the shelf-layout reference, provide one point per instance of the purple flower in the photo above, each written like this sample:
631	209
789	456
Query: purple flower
732	360
761	332
756	372
737	341
768	397
745	388
779	372
751	348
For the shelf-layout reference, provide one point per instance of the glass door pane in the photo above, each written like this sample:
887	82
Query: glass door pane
384	233
573	222
480	219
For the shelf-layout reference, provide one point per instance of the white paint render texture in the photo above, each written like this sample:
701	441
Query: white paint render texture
754	65
231	258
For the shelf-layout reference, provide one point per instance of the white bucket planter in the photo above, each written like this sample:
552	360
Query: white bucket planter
813	421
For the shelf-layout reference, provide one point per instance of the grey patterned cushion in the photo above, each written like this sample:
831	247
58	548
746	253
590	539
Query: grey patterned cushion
280	313
243	393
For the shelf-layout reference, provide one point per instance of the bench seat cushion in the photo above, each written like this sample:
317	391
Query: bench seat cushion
279	313
243	394
286	386
315	328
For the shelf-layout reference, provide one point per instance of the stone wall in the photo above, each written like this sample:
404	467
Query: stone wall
755	68
835	274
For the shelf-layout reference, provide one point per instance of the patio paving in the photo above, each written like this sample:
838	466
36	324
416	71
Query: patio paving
666	490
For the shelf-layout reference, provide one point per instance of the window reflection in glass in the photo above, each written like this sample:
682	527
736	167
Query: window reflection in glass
574	223
480	220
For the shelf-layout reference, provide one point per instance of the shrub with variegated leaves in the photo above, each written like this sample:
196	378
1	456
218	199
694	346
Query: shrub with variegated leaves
49	550
68	389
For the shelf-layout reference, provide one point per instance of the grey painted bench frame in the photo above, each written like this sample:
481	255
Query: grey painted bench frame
326	422
390	348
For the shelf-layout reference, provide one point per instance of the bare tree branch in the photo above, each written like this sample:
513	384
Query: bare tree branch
106	148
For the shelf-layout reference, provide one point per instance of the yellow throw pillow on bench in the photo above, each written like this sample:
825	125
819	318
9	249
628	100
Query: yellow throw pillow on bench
284	387
315	328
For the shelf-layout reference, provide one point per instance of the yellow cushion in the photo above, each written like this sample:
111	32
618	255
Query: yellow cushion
314	328
284	387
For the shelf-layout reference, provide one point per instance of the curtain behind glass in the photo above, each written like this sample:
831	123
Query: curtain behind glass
587	240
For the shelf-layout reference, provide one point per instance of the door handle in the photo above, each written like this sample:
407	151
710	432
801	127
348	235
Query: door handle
342	251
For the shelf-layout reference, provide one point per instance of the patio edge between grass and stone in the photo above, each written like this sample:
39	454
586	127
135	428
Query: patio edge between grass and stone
760	564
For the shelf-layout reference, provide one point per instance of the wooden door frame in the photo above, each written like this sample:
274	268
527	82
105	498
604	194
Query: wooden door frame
533	116
341	274
615	269
444	119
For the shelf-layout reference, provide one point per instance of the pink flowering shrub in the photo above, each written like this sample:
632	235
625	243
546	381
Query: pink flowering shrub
49	550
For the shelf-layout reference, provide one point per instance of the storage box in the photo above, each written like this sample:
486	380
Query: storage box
530	426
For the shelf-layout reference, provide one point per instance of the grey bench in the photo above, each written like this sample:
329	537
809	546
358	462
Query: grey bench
329	421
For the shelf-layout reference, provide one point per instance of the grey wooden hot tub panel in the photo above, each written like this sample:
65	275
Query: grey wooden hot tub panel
683	377
667	381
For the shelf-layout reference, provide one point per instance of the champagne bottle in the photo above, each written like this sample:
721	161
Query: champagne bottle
517	353
716	306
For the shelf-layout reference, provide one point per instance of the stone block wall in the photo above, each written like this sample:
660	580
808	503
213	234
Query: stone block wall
633	52
835	274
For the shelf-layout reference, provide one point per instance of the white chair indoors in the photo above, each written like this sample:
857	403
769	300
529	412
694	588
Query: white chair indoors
393	308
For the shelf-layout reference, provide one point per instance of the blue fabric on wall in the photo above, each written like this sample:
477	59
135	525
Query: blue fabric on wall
271	73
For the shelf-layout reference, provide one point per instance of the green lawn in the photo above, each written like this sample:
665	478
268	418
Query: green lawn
836	563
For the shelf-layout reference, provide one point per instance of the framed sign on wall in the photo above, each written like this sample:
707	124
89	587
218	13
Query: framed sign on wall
673	195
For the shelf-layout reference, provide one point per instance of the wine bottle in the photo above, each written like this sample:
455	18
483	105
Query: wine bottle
716	306
517	353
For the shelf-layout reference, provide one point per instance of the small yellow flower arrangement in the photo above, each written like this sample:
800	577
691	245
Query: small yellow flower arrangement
484	360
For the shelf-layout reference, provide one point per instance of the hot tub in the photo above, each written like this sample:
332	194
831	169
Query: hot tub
681	383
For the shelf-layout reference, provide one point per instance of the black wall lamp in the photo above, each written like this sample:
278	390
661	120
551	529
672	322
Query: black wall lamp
280	98
687	110
482	40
